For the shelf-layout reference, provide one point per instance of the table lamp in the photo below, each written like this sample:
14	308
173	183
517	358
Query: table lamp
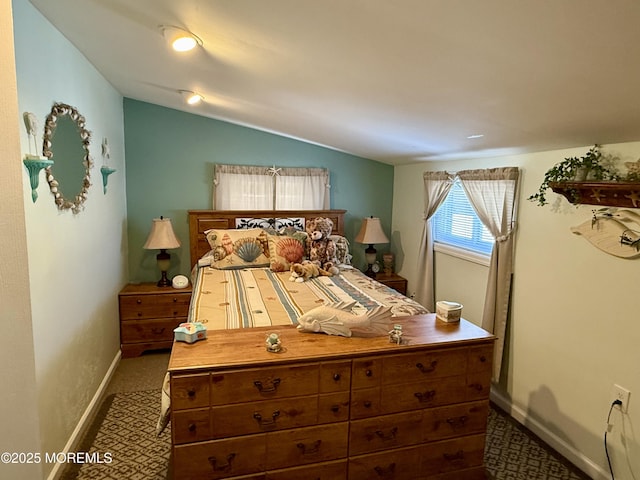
370	233
162	238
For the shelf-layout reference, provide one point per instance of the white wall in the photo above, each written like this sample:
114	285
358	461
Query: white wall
77	263
575	322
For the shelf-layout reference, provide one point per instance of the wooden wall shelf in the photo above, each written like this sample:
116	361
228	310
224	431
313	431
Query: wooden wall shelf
605	194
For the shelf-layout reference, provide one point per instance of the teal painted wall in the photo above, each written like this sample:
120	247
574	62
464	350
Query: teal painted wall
170	157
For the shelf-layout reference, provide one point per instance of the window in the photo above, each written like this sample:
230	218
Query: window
245	187
456	224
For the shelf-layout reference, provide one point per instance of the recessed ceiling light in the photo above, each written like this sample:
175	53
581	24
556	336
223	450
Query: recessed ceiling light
477	135
180	39
192	98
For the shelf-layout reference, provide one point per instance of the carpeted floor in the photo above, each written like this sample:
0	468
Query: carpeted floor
125	428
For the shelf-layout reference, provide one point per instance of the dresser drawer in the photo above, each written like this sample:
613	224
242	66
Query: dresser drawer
189	391
400	464
365	402
259	384
335	377
333	407
480	358
418	367
159	330
191	425
154	306
321	471
412	396
458	420
220	458
263	416
307	445
451	455
384	432
366	372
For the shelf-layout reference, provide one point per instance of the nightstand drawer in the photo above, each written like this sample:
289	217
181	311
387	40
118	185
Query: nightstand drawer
157	330
154	306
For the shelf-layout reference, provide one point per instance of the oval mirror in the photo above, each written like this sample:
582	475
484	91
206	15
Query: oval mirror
66	142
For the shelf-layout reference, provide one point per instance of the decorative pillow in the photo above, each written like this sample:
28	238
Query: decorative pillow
342	249
286	249
238	248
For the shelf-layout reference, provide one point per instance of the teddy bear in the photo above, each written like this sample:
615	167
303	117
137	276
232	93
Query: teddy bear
301	272
321	248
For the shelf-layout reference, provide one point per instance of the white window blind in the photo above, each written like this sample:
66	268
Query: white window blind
457	224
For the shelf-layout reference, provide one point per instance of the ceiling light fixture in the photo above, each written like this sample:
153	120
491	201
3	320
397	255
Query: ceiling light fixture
180	39
477	135
192	98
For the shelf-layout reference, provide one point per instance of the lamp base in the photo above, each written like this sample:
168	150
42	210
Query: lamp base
369	271
163	259
164	281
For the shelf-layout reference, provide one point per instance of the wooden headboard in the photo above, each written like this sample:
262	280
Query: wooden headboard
203	220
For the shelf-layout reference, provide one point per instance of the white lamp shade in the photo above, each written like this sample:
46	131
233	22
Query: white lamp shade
371	232
161	235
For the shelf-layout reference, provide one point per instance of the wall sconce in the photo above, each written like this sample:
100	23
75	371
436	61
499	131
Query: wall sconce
180	39
34	163
162	238
192	98
105	170
371	232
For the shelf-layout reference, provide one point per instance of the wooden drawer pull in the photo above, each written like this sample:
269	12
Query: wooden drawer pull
309	449
175	300
213	461
157	330
138	301
452	457
336	377
457	422
267	422
477	387
483	359
368	373
387	436
367	404
267	389
335	408
428	369
191	393
388	472
426	396
192	427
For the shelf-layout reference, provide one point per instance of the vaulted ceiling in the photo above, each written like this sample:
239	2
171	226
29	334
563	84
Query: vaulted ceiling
397	81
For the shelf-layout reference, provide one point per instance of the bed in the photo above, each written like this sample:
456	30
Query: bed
324	407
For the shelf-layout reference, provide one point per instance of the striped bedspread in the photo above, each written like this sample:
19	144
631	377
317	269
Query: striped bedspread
256	297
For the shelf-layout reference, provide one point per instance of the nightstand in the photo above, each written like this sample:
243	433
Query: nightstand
148	315
394	281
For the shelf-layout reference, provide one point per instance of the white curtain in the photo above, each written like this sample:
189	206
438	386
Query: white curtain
493	194
238	187
436	188
243	187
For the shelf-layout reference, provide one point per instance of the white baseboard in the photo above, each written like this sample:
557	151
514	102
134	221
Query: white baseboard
584	463
83	423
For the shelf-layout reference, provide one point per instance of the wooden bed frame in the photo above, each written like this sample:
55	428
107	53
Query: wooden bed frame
202	220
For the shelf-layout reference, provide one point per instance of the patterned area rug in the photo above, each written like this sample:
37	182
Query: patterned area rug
125	428
514	453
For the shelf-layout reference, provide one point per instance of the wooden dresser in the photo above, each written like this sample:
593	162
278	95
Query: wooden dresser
332	408
148	315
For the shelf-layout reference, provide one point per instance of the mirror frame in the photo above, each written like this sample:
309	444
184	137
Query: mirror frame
59	110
